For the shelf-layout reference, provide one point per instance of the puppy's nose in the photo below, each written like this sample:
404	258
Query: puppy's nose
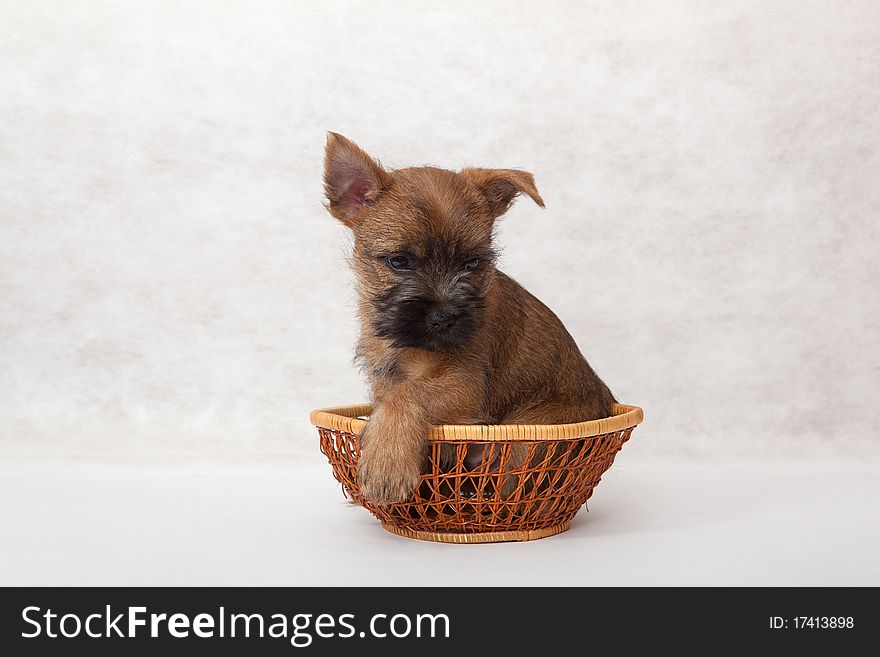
441	321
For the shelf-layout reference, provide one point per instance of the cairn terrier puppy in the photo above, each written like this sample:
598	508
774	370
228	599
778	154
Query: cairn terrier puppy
445	337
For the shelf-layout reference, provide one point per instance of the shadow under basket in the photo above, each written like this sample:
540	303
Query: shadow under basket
487	483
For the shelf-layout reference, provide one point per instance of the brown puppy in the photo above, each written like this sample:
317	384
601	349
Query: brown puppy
445	337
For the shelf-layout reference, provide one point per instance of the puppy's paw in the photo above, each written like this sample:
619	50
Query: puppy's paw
387	472
385	481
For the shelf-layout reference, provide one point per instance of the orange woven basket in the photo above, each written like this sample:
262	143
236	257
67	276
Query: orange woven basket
529	483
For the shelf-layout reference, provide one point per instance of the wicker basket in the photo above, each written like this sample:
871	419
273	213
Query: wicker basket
500	499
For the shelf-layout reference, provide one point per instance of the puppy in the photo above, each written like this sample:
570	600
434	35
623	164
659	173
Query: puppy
445	337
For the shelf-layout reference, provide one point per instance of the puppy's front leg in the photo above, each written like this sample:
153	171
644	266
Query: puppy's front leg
394	440
392	449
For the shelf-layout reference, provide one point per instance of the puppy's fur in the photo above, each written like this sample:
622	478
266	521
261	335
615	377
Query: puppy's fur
445	337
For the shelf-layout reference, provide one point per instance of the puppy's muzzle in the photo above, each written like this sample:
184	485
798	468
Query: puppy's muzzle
440	321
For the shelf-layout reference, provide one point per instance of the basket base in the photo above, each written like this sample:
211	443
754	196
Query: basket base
478	537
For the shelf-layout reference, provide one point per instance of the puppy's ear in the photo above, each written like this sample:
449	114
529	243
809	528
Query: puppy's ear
352	179
501	186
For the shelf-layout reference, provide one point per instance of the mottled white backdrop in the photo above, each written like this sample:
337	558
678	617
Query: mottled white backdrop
169	281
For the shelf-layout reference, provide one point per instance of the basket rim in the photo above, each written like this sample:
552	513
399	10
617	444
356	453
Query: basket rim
346	418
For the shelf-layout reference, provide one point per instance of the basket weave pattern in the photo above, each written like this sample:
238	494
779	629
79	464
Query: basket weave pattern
501	496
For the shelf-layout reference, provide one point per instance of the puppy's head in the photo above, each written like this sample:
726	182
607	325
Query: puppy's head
422	241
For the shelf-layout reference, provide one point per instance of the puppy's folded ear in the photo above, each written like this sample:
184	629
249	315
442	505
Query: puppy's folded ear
501	186
352	179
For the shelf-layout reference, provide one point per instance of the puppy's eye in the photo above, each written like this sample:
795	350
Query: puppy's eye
398	263
472	264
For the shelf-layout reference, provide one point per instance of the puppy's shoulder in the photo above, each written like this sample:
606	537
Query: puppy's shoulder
513	297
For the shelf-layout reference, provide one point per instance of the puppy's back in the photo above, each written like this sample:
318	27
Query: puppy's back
537	374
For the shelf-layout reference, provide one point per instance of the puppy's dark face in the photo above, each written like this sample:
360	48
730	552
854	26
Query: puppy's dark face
423	251
426	292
